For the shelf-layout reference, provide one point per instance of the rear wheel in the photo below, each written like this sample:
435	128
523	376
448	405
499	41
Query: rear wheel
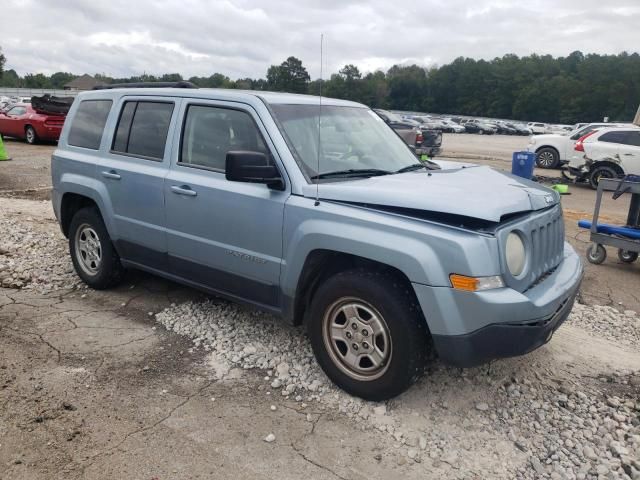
94	258
480	132
626	256
368	333
596	254
602	171
30	135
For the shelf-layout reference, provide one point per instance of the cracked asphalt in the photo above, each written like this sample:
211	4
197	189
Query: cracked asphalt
92	388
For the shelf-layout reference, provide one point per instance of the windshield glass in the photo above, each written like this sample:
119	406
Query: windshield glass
350	138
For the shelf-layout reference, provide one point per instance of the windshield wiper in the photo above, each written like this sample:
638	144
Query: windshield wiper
411	168
353	172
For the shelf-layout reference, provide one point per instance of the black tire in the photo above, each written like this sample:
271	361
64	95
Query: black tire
30	135
602	171
596	254
109	271
393	300
547	158
480	132
626	256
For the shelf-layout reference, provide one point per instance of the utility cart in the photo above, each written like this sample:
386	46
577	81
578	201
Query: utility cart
625	238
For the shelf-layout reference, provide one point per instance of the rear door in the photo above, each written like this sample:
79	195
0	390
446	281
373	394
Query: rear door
226	236
133	172
630	153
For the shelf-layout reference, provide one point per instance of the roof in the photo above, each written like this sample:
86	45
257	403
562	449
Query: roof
272	98
85	82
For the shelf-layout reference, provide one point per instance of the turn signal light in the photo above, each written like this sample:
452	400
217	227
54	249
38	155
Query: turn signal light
475	284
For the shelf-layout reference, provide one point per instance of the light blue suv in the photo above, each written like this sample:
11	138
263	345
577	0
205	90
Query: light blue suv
320	214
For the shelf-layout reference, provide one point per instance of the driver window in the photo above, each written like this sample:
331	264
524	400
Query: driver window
210	132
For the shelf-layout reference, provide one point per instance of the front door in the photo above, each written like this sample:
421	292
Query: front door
133	172
13	124
226	236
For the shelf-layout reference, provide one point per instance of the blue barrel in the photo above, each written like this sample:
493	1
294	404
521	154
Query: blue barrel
522	164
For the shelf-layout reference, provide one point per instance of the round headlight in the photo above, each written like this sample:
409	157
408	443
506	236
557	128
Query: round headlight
515	254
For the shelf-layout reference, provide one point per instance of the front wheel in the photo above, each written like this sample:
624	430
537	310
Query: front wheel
480	132
94	258
368	333
627	256
547	158
30	135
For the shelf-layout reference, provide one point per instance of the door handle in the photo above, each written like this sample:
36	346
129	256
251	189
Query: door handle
628	154
184	190
111	174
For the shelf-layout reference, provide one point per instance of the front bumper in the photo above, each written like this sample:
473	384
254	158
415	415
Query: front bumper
471	328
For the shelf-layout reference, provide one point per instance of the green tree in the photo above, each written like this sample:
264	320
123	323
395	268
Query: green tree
60	79
3	59
289	76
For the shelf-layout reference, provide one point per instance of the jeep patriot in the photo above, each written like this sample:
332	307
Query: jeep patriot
319	213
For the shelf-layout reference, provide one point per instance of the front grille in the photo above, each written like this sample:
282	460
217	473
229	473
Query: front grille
547	245
544	234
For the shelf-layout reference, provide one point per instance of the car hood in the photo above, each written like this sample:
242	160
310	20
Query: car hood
549	136
458	189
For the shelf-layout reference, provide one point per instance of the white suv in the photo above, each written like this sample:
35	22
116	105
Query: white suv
553	149
538	128
605	153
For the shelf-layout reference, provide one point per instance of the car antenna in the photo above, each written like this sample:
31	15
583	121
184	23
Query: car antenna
317	202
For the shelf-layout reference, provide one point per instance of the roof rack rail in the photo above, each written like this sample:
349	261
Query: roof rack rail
146	85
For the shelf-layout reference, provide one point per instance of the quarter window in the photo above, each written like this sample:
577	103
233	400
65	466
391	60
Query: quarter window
88	123
142	129
210	132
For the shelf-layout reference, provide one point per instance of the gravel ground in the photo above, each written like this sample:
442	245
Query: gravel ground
568	432
607	322
34	259
587	427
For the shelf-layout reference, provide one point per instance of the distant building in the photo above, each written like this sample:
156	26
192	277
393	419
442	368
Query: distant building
85	82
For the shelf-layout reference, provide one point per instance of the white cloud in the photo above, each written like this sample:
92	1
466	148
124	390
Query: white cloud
242	38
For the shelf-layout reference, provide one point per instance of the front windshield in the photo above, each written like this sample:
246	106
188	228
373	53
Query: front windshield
351	138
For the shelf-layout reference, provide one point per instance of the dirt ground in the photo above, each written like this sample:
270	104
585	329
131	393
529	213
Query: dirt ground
91	387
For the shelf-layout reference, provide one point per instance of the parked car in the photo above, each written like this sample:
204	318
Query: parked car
504	128
478	126
378	255
453	126
605	153
520	128
423	141
552	150
23	121
538	128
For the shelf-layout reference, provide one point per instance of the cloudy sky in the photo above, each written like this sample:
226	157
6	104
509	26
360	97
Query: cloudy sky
242	38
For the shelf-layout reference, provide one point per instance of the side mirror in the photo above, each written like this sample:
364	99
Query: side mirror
252	167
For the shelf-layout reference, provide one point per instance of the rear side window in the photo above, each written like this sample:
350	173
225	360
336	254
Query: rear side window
634	138
210	132
616	137
142	129
88	123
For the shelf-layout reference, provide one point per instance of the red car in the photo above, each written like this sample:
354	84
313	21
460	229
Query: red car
23	121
